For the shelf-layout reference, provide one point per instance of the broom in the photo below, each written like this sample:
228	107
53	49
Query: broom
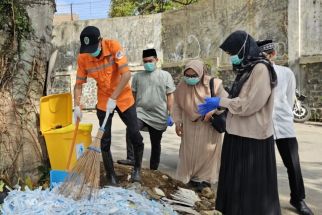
73	145
83	180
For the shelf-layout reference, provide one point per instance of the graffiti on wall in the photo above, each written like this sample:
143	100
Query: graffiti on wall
192	48
189	48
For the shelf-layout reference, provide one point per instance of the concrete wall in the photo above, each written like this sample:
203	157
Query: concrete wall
305	50
194	32
312	74
311	53
197	31
64	17
134	34
311	84
311	27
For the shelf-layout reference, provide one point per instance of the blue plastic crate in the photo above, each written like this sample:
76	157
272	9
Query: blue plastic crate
57	176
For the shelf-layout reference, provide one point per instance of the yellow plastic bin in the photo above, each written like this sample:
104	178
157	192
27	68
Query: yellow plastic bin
57	128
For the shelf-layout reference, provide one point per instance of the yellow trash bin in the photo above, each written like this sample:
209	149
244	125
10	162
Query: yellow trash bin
57	128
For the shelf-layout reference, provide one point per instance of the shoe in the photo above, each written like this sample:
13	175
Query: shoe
109	168
205	184
136	173
153	167
301	207
192	184
201	185
196	185
127	162
3	195
154	163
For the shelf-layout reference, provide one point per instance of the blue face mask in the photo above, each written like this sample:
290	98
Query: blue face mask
97	52
234	59
191	81
149	67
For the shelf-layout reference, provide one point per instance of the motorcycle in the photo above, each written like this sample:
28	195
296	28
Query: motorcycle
301	111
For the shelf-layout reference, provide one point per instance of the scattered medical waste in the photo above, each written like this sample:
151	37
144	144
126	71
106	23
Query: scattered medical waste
109	200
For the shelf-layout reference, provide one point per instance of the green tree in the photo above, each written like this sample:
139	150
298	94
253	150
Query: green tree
120	8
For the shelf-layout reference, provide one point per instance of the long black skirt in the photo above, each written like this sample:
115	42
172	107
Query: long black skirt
248	179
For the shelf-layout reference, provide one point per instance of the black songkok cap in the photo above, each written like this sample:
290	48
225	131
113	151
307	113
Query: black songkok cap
149	53
266	45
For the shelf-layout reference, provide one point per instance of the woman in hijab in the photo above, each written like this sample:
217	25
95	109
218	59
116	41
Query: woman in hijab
200	149
247	179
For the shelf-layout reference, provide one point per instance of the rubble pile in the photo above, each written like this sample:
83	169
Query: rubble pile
110	200
158	193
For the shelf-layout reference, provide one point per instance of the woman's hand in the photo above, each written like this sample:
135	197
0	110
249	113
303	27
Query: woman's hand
179	129
210	104
209	115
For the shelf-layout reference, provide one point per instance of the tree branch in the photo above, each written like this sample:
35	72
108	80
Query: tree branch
183	3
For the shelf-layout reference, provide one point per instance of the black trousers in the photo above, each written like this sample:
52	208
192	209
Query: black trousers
288	149
155	138
129	118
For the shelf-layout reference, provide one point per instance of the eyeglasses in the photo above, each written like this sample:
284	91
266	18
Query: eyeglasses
191	76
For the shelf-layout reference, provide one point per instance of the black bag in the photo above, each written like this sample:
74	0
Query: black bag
218	121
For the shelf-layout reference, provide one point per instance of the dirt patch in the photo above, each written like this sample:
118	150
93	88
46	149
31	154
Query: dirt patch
155	179
150	179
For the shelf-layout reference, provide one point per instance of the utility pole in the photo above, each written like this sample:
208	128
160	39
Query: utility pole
90	8
71	12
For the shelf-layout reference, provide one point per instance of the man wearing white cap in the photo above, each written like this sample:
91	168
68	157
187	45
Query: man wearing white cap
284	132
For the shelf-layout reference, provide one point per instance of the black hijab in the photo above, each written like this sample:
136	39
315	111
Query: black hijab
251	56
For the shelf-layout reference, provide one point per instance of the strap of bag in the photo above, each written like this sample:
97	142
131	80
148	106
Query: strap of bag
211	85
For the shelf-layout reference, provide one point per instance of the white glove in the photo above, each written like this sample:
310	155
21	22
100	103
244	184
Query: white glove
77	113
111	105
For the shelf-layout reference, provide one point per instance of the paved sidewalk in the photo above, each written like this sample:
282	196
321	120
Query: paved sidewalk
310	149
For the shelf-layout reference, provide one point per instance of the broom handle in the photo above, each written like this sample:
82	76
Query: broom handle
102	128
100	132
73	144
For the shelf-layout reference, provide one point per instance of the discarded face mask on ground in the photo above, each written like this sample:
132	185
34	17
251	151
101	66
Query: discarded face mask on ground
110	200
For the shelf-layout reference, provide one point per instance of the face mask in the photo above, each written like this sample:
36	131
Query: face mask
96	53
149	67
234	59
191	81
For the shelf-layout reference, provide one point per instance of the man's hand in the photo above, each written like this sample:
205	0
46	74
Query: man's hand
179	129
77	113
111	105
